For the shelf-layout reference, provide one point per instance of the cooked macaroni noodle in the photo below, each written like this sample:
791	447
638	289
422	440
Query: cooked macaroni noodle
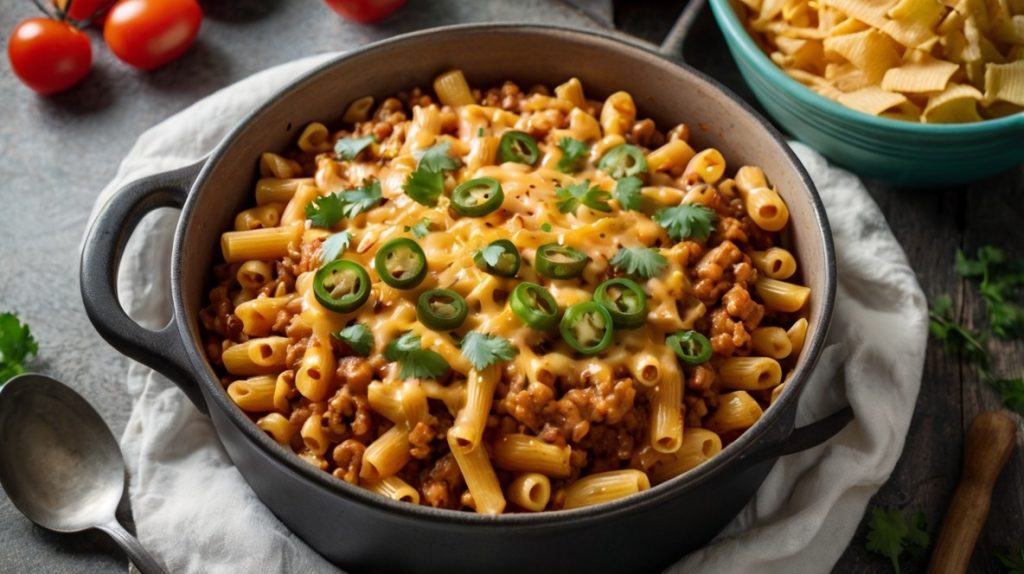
505	301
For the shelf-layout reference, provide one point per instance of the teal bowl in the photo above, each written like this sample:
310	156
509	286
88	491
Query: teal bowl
894	151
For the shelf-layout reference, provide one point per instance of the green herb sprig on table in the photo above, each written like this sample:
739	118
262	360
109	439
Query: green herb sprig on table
999	283
17	346
890	535
1013	560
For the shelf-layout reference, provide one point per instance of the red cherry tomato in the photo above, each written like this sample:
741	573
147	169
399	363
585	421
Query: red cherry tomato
147	34
364	11
49	56
83	10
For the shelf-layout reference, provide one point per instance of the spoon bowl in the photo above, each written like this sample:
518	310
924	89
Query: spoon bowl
60	464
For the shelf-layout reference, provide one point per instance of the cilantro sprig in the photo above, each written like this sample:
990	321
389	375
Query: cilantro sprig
358	338
17	346
415	362
349	148
334	246
426	183
686	221
420	229
999	282
627	191
1013	560
890	535
483	350
573	195
328	210
643	262
574	154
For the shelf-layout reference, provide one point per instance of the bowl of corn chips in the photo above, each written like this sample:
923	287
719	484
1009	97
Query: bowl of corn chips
911	92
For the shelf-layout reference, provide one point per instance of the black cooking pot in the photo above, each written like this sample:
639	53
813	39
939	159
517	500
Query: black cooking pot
366	532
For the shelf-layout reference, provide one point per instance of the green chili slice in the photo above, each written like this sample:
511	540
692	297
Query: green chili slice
518	147
622	161
625	300
441	309
478	197
692	347
534	306
401	263
505	255
342	286
587	327
559	261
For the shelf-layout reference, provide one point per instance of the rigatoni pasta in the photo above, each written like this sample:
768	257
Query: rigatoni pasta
505	300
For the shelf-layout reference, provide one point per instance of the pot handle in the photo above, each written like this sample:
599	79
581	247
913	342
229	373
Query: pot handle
816	433
161	349
672	45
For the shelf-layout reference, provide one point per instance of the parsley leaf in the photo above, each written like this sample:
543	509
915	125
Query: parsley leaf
413	361
483	351
327	210
627	191
420	229
643	262
889	535
686	221
349	148
16	346
334	246
545	227
435	158
570	197
1012	560
999	282
955	338
1012	393
424	187
358	338
574	153
491	254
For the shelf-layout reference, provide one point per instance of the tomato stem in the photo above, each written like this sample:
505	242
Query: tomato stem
59	16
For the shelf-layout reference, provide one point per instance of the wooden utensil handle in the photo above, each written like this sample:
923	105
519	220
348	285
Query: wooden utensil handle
990	442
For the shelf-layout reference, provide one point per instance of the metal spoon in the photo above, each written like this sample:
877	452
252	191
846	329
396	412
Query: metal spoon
61	465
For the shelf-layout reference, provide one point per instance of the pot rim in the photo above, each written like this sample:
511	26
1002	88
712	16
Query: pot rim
747	443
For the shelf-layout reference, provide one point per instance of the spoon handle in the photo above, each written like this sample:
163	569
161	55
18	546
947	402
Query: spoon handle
133	548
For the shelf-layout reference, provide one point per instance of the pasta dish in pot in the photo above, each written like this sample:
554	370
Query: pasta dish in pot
505	300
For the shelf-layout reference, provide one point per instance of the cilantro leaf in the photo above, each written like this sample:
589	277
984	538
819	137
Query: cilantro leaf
686	221
334	246
545	227
360	199
999	282
349	148
491	254
574	153
420	229
570	197
415	362
627	191
424	187
483	351
1014	560
435	158
1012	393
955	338
643	262
327	210
889	534
17	346
358	338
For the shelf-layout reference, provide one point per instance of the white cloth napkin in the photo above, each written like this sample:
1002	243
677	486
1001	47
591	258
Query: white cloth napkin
194	511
